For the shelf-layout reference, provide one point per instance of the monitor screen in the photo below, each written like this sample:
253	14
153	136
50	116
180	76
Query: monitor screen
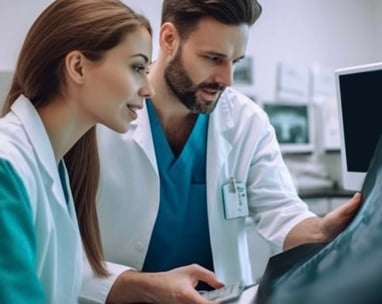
293	125
359	93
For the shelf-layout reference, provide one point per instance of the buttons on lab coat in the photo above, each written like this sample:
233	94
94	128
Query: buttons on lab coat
139	246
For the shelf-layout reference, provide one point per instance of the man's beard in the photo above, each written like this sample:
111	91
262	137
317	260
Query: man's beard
186	91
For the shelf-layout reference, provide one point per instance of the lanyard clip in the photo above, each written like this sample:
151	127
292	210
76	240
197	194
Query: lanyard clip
232	183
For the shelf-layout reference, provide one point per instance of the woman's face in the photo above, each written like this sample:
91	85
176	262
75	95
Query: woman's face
116	86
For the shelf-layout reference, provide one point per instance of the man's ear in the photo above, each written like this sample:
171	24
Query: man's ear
74	66
169	38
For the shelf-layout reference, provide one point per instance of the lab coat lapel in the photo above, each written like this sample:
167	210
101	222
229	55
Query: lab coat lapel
41	144
218	149
141	134
218	145
219	170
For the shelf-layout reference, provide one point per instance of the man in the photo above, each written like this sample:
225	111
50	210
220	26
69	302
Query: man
175	188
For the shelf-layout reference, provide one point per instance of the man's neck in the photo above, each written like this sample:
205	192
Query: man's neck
176	120
177	123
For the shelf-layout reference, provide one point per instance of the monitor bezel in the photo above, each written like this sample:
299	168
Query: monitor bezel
351	180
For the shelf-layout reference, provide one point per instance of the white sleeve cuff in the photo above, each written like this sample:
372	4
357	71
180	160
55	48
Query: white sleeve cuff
94	289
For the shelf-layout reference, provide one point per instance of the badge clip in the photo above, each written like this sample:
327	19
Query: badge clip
235	199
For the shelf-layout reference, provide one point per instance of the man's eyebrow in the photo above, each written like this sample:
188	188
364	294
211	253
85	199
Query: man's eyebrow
223	55
211	53
239	58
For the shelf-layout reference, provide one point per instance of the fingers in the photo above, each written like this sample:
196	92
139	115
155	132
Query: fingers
358	197
184	279
350	207
207	276
338	219
353	204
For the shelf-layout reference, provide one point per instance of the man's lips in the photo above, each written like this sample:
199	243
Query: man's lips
210	92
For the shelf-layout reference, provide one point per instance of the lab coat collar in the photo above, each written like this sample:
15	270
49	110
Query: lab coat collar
39	140
140	132
221	121
222	115
219	144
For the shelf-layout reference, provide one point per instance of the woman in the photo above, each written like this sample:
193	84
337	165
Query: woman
82	62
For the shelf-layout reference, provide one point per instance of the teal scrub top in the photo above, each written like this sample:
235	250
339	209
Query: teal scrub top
181	234
17	242
18	258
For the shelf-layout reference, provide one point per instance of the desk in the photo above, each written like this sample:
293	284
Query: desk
325	192
247	297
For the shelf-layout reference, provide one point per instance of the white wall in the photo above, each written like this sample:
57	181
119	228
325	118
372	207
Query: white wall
377	9
331	33
16	16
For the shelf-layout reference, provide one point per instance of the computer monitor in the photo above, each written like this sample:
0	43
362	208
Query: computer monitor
359	94
293	124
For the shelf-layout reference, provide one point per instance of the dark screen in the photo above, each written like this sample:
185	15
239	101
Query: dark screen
361	99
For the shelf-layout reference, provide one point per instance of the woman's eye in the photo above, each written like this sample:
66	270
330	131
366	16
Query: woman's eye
140	68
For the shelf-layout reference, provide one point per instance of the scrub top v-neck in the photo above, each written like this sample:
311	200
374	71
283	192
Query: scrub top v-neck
180	235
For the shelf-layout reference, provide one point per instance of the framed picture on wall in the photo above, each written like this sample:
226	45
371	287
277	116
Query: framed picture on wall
243	73
292	82
323	84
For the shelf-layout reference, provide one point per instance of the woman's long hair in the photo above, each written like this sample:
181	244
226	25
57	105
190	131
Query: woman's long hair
92	27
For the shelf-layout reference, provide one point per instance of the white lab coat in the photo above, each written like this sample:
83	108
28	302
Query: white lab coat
25	144
241	144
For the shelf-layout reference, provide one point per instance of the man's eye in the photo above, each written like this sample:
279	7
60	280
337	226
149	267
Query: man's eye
213	59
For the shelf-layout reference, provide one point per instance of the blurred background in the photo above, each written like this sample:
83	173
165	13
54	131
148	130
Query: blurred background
294	49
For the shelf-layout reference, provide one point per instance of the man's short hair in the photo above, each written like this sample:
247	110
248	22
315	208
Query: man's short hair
186	14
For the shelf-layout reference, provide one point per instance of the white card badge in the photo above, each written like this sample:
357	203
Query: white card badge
235	200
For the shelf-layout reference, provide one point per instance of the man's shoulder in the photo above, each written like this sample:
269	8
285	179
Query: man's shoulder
240	104
234	93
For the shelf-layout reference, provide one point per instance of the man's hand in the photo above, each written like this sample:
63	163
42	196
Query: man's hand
179	285
334	222
170	287
323	229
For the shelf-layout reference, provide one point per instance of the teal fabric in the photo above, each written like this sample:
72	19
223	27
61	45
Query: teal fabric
181	235
19	282
61	172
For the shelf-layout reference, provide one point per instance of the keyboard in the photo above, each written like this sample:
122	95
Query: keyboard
226	293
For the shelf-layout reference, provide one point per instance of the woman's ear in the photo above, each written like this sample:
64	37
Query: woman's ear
75	66
169	38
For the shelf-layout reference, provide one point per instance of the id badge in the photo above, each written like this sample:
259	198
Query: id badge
235	200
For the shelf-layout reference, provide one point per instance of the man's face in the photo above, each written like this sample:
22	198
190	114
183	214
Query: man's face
204	63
